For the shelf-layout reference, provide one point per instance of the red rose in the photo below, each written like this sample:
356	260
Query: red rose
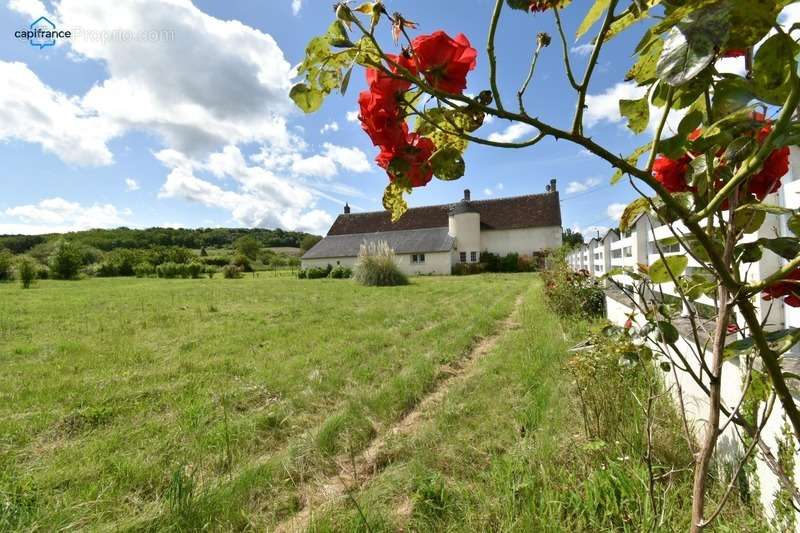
414	155
768	179
445	61
671	173
381	83
732	328
381	120
628	324
789	287
734	52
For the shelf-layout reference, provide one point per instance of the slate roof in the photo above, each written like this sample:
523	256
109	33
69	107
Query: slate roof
402	242
530	211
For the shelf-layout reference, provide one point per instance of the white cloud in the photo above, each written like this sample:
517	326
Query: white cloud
260	198
296	5
331	126
33	112
590	232
488	192
491	191
203	84
131	184
512	133
582	186
352	116
615	210
582	49
60	215
500	186
605	108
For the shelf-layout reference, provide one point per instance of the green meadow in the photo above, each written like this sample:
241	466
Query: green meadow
182	405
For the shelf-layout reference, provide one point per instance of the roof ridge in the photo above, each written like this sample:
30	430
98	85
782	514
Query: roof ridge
484	201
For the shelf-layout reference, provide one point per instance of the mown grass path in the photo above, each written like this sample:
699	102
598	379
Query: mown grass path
355	470
150	404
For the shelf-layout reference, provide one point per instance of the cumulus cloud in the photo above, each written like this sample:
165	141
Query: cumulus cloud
296	5
490	191
32	9
33	112
203	83
331	126
590	232
574	187
604	107
59	215
615	210
512	133
352	116
259	198
131	184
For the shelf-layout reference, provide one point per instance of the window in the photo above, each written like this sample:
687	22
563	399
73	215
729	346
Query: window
418	258
665	247
473	257
616	254
462	256
628	251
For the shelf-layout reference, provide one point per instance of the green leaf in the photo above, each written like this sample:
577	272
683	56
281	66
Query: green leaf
637	112
661	268
633	158
731	94
794	224
592	16
749	221
667	332
692	44
346	81
337	35
644	70
632	213
738	150
766	208
306	98
772	68
460	120
786	247
778	341
447	164
748	252
630	16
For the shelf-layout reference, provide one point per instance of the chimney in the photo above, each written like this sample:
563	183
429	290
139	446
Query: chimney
553	185
466	195
547	188
346	208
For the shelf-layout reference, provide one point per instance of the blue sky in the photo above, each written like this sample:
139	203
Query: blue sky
191	126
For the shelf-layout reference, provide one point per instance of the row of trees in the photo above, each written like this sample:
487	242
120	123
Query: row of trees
112	239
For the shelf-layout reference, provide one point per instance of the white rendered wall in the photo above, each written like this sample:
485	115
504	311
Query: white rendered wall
466	229
523	241
435	263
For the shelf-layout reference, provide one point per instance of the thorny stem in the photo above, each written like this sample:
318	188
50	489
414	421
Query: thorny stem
660	129
524	87
565	48
498	7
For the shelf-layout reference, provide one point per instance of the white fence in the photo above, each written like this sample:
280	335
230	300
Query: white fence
641	246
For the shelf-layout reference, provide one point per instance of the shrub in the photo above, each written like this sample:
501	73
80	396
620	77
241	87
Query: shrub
194	269
6	260
66	260
341	272
27	272
217	260
317	272
171	270
210	271
43	272
301	274
247	246
243	263
231	272
572	293
144	270
510	263
376	266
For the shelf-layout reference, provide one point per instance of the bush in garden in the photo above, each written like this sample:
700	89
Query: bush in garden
467	269
171	270
376	266
572	293
302	273
43	272
317	272
66	260
341	272
211	271
6	261
26	271
231	272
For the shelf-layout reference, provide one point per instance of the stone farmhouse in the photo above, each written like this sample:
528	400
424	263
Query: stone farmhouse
433	239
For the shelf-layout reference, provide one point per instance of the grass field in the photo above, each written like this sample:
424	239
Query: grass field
184	405
147	404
